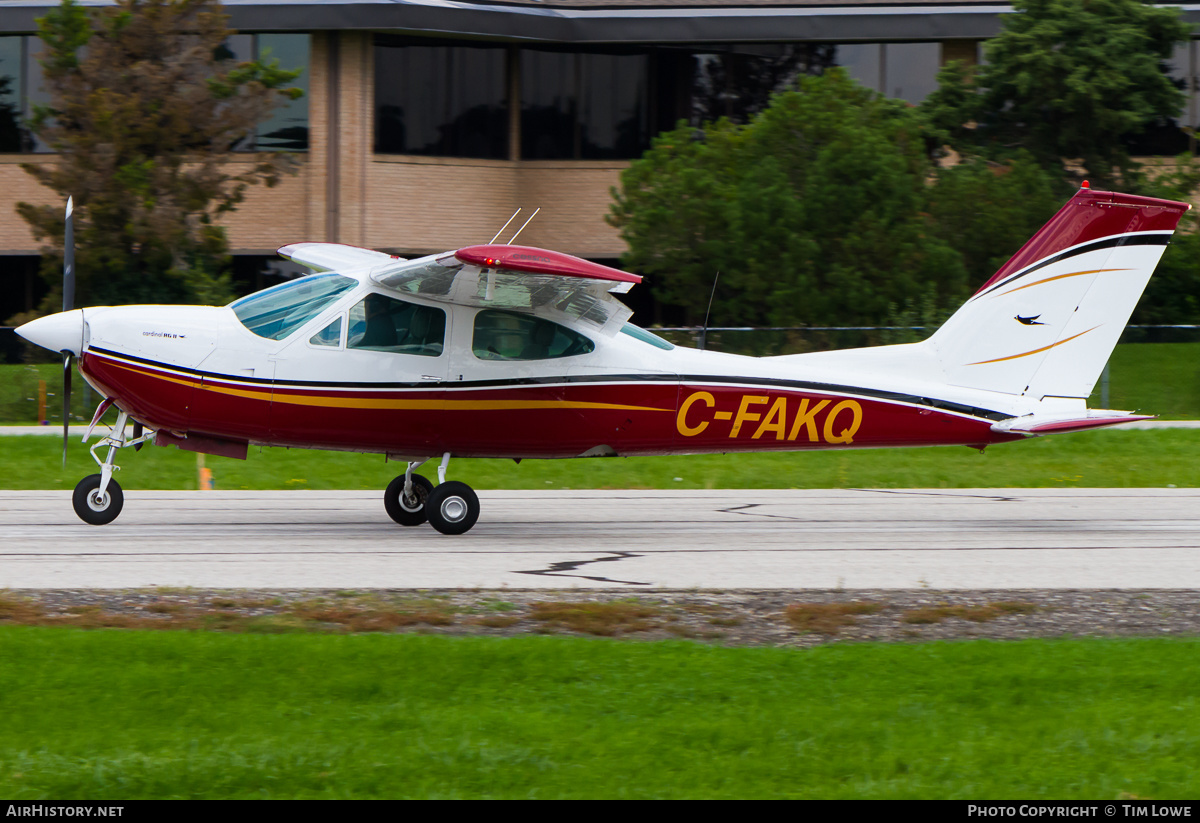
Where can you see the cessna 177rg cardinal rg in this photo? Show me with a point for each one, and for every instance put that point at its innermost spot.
(516, 352)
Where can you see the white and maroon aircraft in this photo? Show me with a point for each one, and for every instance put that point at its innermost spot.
(516, 352)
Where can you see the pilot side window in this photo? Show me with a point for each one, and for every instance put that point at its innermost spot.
(331, 335)
(502, 335)
(382, 323)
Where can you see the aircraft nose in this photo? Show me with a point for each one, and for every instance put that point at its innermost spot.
(57, 332)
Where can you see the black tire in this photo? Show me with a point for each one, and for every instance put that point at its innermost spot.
(410, 513)
(452, 508)
(94, 511)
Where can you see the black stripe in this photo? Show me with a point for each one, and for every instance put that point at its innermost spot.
(1107, 243)
(782, 383)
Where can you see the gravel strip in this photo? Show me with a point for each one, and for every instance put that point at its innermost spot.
(733, 618)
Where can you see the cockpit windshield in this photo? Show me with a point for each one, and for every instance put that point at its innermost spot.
(276, 312)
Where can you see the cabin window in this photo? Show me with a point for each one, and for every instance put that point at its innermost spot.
(382, 323)
(276, 312)
(638, 333)
(331, 335)
(502, 335)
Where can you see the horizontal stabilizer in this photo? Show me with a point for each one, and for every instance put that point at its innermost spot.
(1057, 424)
(334, 256)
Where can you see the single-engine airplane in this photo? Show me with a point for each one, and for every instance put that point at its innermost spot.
(509, 351)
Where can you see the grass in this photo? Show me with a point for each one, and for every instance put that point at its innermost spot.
(126, 715)
(1117, 459)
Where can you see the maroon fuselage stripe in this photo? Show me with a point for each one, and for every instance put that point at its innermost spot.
(542, 420)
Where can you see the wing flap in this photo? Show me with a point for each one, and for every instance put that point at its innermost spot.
(334, 256)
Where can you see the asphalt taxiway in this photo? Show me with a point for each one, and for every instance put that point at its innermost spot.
(752, 539)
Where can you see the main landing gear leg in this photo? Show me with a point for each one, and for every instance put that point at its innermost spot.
(450, 507)
(406, 495)
(98, 498)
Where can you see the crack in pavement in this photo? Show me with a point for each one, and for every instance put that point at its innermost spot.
(555, 569)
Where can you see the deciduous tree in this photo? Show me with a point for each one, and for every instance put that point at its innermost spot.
(813, 213)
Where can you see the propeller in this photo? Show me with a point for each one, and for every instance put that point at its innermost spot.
(68, 304)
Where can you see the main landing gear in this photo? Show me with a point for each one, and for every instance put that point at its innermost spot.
(98, 498)
(450, 507)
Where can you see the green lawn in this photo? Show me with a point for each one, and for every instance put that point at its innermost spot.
(1120, 459)
(128, 714)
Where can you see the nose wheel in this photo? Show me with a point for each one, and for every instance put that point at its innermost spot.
(95, 505)
(450, 507)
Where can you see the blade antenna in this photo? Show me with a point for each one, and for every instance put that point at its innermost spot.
(712, 294)
(527, 222)
(505, 226)
(68, 304)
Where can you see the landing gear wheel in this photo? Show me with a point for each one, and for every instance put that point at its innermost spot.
(407, 512)
(91, 507)
(452, 507)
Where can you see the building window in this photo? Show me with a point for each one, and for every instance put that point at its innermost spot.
(448, 101)
(905, 71)
(287, 127)
(11, 103)
(584, 106)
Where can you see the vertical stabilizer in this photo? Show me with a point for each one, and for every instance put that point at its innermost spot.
(1047, 321)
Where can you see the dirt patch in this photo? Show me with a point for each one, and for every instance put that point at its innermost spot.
(735, 618)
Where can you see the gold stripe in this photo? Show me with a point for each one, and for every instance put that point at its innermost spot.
(1058, 277)
(434, 404)
(1035, 351)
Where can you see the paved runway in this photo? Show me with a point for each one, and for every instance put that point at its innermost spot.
(754, 539)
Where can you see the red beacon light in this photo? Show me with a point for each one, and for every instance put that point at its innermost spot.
(1085, 185)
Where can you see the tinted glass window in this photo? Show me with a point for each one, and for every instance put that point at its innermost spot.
(287, 127)
(331, 335)
(638, 333)
(450, 101)
(278, 311)
(10, 93)
(502, 335)
(584, 106)
(382, 323)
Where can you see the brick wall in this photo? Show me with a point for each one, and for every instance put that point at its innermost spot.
(412, 205)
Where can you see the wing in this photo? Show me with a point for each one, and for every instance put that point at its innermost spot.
(549, 284)
(334, 256)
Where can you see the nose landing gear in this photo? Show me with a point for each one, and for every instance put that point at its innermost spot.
(450, 507)
(98, 498)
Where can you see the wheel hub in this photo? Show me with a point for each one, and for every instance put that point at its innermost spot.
(454, 509)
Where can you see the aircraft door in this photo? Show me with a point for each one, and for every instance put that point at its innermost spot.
(370, 378)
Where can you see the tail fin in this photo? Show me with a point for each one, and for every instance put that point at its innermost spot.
(1045, 324)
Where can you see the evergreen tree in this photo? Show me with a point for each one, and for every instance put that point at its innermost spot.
(146, 110)
(1069, 81)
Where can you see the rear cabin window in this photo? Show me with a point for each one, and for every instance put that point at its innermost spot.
(502, 335)
(381, 323)
(276, 312)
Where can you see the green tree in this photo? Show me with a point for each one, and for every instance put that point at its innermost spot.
(145, 112)
(813, 212)
(1068, 81)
